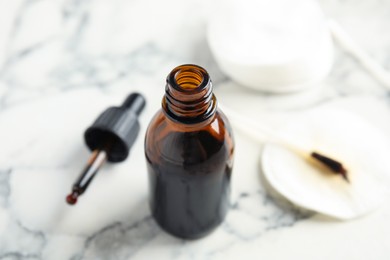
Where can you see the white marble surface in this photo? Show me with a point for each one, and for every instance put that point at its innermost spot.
(61, 62)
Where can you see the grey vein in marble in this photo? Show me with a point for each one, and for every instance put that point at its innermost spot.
(4, 187)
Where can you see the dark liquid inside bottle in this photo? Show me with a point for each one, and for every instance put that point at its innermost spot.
(190, 197)
(189, 152)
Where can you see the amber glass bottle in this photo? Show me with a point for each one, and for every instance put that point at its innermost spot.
(189, 151)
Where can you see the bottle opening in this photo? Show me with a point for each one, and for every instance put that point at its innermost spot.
(189, 78)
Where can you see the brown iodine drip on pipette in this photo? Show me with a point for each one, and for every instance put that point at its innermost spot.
(94, 164)
(333, 165)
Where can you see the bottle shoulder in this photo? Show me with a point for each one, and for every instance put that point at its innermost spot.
(219, 126)
(192, 143)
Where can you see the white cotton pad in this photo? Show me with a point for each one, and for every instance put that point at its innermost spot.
(271, 45)
(362, 148)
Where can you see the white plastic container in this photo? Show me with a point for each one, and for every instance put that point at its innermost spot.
(275, 46)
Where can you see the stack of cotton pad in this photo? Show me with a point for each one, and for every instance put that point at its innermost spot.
(362, 149)
(271, 45)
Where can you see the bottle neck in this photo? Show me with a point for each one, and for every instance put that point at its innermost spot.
(189, 97)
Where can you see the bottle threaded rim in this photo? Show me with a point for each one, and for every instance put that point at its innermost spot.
(189, 95)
